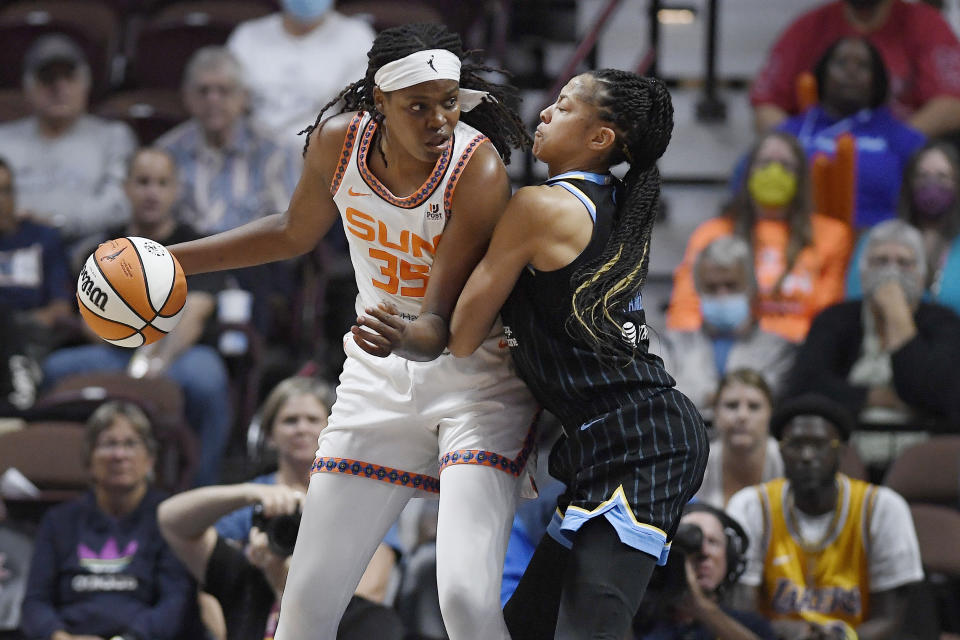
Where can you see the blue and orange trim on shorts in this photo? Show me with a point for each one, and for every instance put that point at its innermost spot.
(420, 481)
(616, 509)
(428, 483)
(513, 466)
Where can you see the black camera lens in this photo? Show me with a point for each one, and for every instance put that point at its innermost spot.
(281, 530)
(688, 539)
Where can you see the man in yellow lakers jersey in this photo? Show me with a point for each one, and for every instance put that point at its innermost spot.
(828, 555)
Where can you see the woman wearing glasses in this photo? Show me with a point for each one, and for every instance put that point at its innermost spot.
(100, 568)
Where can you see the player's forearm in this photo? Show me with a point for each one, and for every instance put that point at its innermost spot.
(425, 338)
(766, 117)
(939, 115)
(267, 239)
(721, 625)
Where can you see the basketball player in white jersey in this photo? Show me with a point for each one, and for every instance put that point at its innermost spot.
(402, 170)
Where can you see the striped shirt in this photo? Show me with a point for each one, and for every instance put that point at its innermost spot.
(223, 188)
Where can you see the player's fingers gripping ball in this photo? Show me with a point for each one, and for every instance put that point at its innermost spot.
(131, 291)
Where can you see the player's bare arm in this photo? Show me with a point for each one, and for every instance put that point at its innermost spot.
(478, 204)
(543, 226)
(281, 235)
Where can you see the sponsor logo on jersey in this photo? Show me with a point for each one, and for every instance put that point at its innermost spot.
(433, 212)
(508, 340)
(634, 335)
(351, 192)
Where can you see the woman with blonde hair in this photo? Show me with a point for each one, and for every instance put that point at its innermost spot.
(743, 453)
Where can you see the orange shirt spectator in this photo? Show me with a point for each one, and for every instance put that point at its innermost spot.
(920, 51)
(800, 257)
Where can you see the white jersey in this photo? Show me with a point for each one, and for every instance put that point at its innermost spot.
(393, 239)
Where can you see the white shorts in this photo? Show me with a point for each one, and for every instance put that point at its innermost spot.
(403, 422)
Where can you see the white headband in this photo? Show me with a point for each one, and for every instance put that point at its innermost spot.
(423, 66)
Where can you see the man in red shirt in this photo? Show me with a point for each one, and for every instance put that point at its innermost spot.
(920, 50)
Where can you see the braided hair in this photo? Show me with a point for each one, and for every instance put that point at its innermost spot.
(494, 119)
(641, 112)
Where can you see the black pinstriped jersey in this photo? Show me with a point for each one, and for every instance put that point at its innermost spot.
(565, 374)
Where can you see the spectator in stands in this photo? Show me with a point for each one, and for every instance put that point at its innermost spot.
(152, 189)
(829, 556)
(229, 174)
(695, 608)
(799, 256)
(100, 567)
(729, 337)
(296, 61)
(35, 297)
(293, 415)
(69, 164)
(16, 548)
(743, 454)
(852, 84)
(920, 50)
(929, 202)
(249, 583)
(890, 349)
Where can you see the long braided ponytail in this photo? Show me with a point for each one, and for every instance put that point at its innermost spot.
(496, 120)
(641, 112)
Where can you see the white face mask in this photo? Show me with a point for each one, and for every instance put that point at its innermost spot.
(909, 282)
(306, 11)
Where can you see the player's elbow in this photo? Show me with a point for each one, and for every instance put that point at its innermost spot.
(460, 347)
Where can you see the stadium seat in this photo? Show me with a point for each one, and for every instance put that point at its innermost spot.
(383, 14)
(77, 396)
(165, 41)
(13, 105)
(851, 464)
(49, 454)
(149, 112)
(928, 472)
(92, 24)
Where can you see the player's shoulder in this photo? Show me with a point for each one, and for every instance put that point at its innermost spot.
(329, 135)
(484, 173)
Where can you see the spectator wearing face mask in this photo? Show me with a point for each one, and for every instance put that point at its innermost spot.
(799, 257)
(296, 61)
(890, 349)
(918, 47)
(730, 336)
(928, 201)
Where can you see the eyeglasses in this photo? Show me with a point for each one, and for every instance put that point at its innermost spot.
(796, 446)
(126, 446)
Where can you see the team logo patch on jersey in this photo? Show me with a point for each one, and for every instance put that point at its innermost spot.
(433, 212)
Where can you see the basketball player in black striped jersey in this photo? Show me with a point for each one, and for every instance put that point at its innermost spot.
(566, 264)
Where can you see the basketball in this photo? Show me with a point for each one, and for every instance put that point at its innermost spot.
(131, 291)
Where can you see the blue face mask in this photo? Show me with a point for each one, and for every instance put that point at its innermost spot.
(726, 313)
(306, 11)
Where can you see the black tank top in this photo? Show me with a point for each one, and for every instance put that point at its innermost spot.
(565, 374)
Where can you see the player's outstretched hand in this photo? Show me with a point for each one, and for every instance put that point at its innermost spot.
(380, 331)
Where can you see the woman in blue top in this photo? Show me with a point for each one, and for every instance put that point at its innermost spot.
(852, 85)
(928, 201)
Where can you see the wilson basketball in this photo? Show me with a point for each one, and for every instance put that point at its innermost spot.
(131, 291)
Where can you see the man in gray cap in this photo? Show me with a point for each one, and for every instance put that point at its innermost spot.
(69, 164)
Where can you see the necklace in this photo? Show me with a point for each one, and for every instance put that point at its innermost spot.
(813, 548)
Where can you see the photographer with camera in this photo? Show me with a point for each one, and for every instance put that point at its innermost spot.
(685, 599)
(237, 539)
